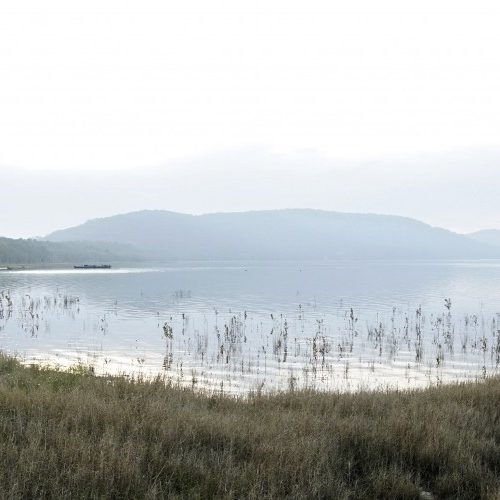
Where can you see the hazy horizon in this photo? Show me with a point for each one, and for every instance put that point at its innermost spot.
(439, 189)
(112, 107)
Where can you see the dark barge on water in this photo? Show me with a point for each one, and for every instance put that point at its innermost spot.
(93, 266)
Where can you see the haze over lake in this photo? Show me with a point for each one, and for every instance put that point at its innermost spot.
(236, 326)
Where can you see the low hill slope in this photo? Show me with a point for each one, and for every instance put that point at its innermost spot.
(489, 236)
(28, 251)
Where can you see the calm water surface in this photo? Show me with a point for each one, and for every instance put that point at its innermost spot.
(235, 327)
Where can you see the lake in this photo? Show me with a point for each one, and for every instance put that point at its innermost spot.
(234, 327)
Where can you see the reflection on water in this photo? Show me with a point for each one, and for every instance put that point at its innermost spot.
(235, 327)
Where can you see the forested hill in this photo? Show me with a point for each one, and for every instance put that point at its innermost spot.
(30, 251)
(279, 234)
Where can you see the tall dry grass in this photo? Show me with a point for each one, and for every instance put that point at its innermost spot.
(80, 436)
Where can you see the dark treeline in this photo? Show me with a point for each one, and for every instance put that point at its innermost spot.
(30, 251)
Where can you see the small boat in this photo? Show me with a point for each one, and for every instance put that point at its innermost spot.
(93, 266)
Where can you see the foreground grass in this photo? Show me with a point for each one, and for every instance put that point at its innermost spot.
(77, 435)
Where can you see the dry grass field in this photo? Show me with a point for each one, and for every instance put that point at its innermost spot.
(76, 435)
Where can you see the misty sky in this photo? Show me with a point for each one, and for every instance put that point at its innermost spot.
(114, 106)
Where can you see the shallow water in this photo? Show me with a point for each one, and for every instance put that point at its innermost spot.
(240, 326)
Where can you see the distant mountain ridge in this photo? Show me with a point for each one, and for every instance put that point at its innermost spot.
(278, 234)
